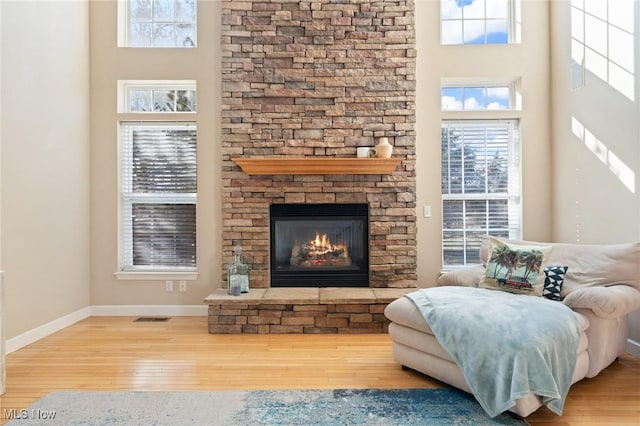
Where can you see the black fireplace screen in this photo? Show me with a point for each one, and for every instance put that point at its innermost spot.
(319, 245)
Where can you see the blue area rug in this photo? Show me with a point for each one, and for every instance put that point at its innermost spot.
(281, 407)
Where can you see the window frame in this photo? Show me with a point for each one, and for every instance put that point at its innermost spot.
(515, 87)
(514, 25)
(512, 86)
(125, 87)
(149, 118)
(512, 196)
(126, 199)
(124, 36)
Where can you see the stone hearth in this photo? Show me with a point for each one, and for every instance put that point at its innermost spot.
(302, 310)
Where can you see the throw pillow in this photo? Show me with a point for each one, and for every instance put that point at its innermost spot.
(553, 279)
(515, 268)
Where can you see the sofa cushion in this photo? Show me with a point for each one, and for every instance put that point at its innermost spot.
(553, 279)
(516, 268)
(469, 276)
(404, 312)
(590, 265)
(605, 302)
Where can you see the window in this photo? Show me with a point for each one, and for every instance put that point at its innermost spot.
(480, 186)
(157, 23)
(479, 21)
(158, 196)
(477, 97)
(158, 179)
(173, 96)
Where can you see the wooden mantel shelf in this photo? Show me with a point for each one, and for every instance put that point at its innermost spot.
(316, 165)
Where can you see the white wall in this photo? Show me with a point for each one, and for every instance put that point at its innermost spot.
(528, 61)
(596, 200)
(108, 65)
(45, 168)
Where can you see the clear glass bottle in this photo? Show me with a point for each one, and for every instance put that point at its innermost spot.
(237, 274)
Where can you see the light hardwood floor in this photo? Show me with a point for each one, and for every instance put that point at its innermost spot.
(115, 353)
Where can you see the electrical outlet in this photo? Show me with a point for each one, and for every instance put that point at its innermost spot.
(183, 286)
(168, 286)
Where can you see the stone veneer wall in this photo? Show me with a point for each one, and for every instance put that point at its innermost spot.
(237, 318)
(319, 78)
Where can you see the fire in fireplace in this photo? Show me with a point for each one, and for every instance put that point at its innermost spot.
(319, 245)
(319, 252)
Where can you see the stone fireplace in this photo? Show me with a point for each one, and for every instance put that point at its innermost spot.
(317, 79)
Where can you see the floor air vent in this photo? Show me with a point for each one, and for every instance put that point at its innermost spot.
(151, 319)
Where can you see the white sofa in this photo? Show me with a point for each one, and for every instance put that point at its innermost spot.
(602, 286)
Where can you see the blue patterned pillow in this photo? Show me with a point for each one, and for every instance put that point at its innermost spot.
(553, 279)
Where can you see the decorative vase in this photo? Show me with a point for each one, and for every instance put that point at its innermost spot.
(383, 148)
(237, 274)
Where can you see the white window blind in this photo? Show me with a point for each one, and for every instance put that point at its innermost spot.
(480, 186)
(158, 206)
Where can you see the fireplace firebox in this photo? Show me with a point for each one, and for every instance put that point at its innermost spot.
(319, 245)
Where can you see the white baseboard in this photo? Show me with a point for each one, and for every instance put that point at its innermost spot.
(149, 310)
(35, 334)
(633, 348)
(51, 327)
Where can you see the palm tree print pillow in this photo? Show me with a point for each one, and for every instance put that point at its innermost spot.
(516, 269)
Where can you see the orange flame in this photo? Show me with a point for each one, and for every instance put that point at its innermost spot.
(322, 242)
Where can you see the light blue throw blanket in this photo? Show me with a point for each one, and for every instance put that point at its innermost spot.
(507, 345)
